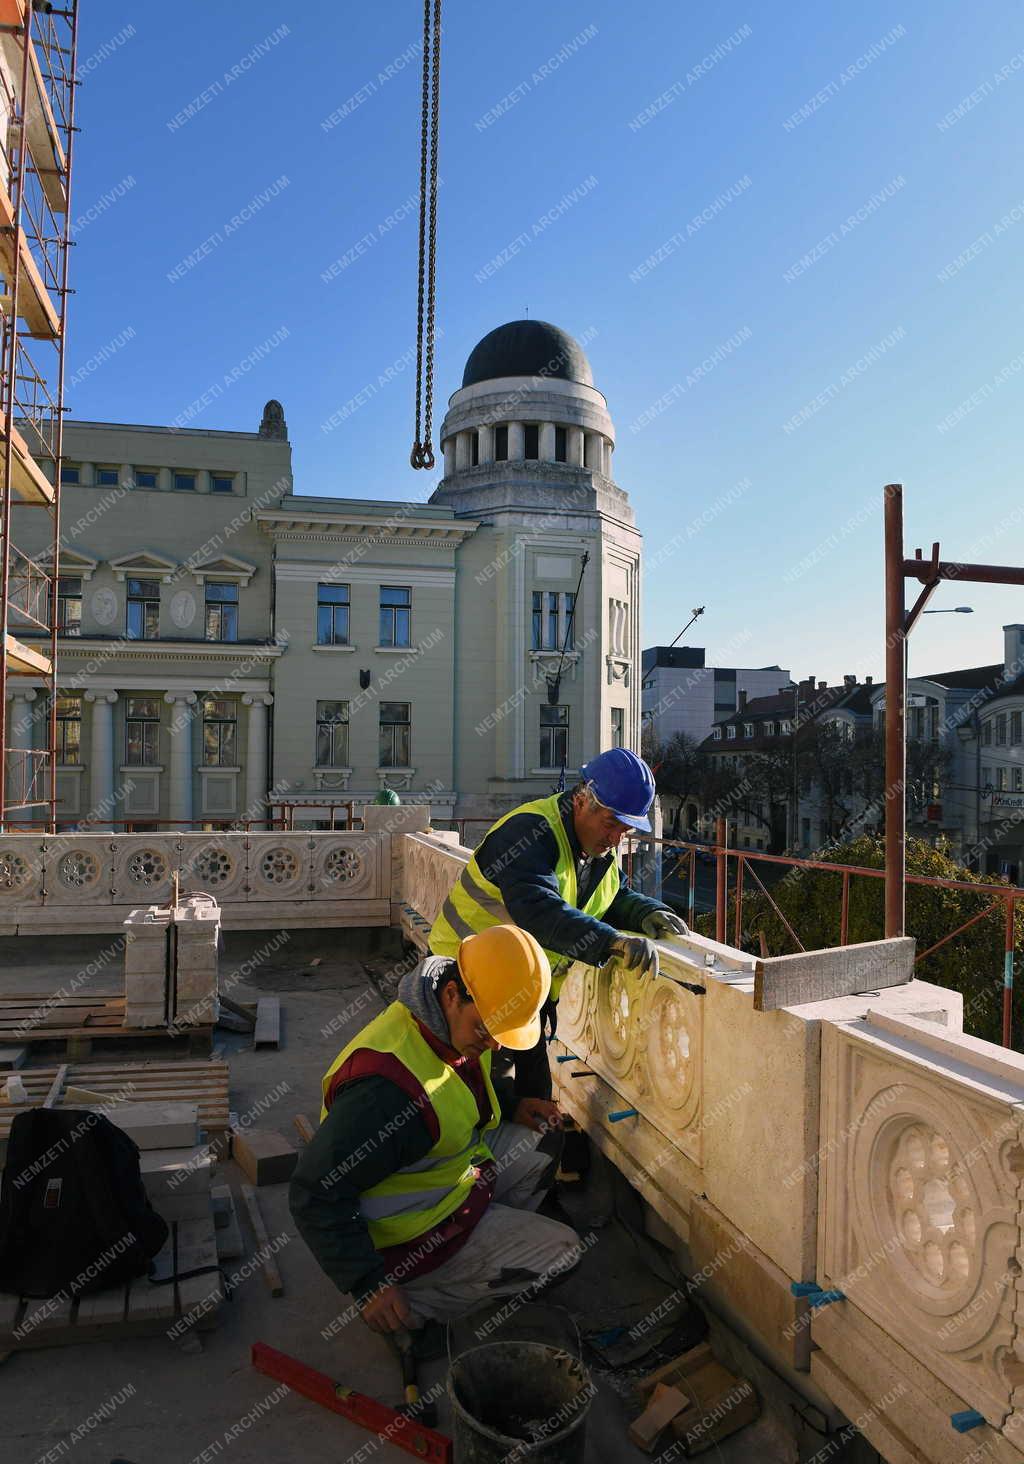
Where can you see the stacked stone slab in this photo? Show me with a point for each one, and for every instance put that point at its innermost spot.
(146, 947)
(196, 926)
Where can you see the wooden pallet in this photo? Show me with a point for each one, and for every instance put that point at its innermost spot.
(136, 1308)
(202, 1083)
(79, 1021)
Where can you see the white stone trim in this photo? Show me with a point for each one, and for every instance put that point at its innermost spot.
(388, 777)
(207, 768)
(139, 768)
(396, 650)
(225, 569)
(315, 571)
(322, 649)
(139, 650)
(143, 564)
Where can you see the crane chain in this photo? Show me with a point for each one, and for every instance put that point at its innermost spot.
(422, 454)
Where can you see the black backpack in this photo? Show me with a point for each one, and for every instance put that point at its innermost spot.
(74, 1215)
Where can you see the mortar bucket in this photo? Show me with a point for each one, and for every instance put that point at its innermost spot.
(517, 1399)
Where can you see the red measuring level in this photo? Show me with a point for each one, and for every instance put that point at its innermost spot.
(390, 1425)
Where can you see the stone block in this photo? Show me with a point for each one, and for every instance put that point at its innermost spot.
(746, 1285)
(157, 1125)
(170, 1172)
(264, 1156)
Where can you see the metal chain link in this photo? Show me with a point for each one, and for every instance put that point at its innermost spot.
(422, 455)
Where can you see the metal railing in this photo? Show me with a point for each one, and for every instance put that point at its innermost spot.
(733, 866)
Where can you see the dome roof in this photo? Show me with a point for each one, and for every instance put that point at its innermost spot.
(527, 348)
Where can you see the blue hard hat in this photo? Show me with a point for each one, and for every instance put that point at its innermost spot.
(624, 783)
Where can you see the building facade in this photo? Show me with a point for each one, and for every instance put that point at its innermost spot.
(679, 693)
(229, 646)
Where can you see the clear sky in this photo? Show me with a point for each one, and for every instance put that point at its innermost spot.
(793, 234)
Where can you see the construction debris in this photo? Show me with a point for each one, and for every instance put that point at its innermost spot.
(266, 1157)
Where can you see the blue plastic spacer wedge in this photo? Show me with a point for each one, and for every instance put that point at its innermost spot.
(622, 1113)
(964, 1422)
(566, 1057)
(814, 1294)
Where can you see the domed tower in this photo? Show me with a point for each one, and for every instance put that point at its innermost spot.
(543, 679)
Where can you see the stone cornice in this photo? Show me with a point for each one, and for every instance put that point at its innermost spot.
(355, 528)
(82, 646)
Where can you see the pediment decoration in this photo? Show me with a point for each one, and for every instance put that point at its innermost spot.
(143, 564)
(225, 568)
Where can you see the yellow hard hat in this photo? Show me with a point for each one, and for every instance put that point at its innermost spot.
(507, 974)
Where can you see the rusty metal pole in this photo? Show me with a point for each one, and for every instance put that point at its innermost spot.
(895, 713)
(721, 877)
(737, 937)
(1008, 973)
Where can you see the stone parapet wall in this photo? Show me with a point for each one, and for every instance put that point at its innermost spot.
(862, 1144)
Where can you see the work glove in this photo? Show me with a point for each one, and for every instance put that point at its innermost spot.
(661, 923)
(636, 953)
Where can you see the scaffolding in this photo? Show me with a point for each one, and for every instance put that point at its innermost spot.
(38, 60)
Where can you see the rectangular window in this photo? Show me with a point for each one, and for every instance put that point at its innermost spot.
(501, 443)
(395, 618)
(1015, 727)
(69, 604)
(787, 727)
(986, 733)
(332, 607)
(1001, 779)
(474, 449)
(145, 477)
(553, 618)
(554, 736)
(143, 622)
(618, 727)
(531, 440)
(1018, 779)
(332, 734)
(185, 482)
(141, 731)
(220, 726)
(107, 477)
(394, 734)
(561, 445)
(221, 612)
(933, 724)
(221, 483)
(748, 729)
(1001, 730)
(769, 729)
(69, 731)
(730, 733)
(70, 473)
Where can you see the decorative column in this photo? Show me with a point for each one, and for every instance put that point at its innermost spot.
(574, 446)
(256, 755)
(485, 434)
(20, 766)
(593, 453)
(516, 441)
(462, 452)
(180, 808)
(546, 449)
(449, 456)
(101, 760)
(607, 470)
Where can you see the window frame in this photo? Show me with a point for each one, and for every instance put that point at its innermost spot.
(147, 600)
(69, 754)
(225, 611)
(154, 473)
(226, 725)
(179, 474)
(112, 479)
(547, 730)
(388, 618)
(63, 597)
(148, 732)
(389, 758)
(330, 725)
(332, 607)
(228, 478)
(618, 721)
(70, 473)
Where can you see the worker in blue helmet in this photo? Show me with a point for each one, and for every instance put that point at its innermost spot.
(549, 866)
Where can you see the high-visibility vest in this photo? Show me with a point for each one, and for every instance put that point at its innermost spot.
(414, 1200)
(474, 903)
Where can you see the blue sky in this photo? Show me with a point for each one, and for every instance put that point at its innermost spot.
(794, 234)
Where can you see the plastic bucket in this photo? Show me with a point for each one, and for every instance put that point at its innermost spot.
(519, 1401)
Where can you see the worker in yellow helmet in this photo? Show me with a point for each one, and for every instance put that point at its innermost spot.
(417, 1193)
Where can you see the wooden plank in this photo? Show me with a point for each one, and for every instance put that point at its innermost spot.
(55, 1087)
(665, 1403)
(304, 1128)
(782, 981)
(229, 1237)
(268, 1022)
(239, 1009)
(679, 1367)
(199, 1297)
(271, 1275)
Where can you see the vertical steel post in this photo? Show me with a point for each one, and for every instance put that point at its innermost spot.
(739, 903)
(721, 877)
(691, 894)
(895, 714)
(844, 916)
(1008, 935)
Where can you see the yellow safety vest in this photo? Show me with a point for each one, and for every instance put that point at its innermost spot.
(475, 903)
(414, 1200)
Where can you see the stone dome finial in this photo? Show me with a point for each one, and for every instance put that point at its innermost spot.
(273, 424)
(528, 348)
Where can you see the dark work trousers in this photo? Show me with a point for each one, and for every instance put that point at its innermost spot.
(532, 1069)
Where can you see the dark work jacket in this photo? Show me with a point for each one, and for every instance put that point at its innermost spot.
(520, 858)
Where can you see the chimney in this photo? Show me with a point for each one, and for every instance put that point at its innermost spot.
(849, 681)
(822, 685)
(742, 699)
(869, 681)
(1013, 657)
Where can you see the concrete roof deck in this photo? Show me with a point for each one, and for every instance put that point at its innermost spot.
(184, 1404)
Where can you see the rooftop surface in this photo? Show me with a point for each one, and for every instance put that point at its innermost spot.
(184, 1404)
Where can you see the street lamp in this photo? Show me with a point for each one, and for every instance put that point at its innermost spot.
(956, 610)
